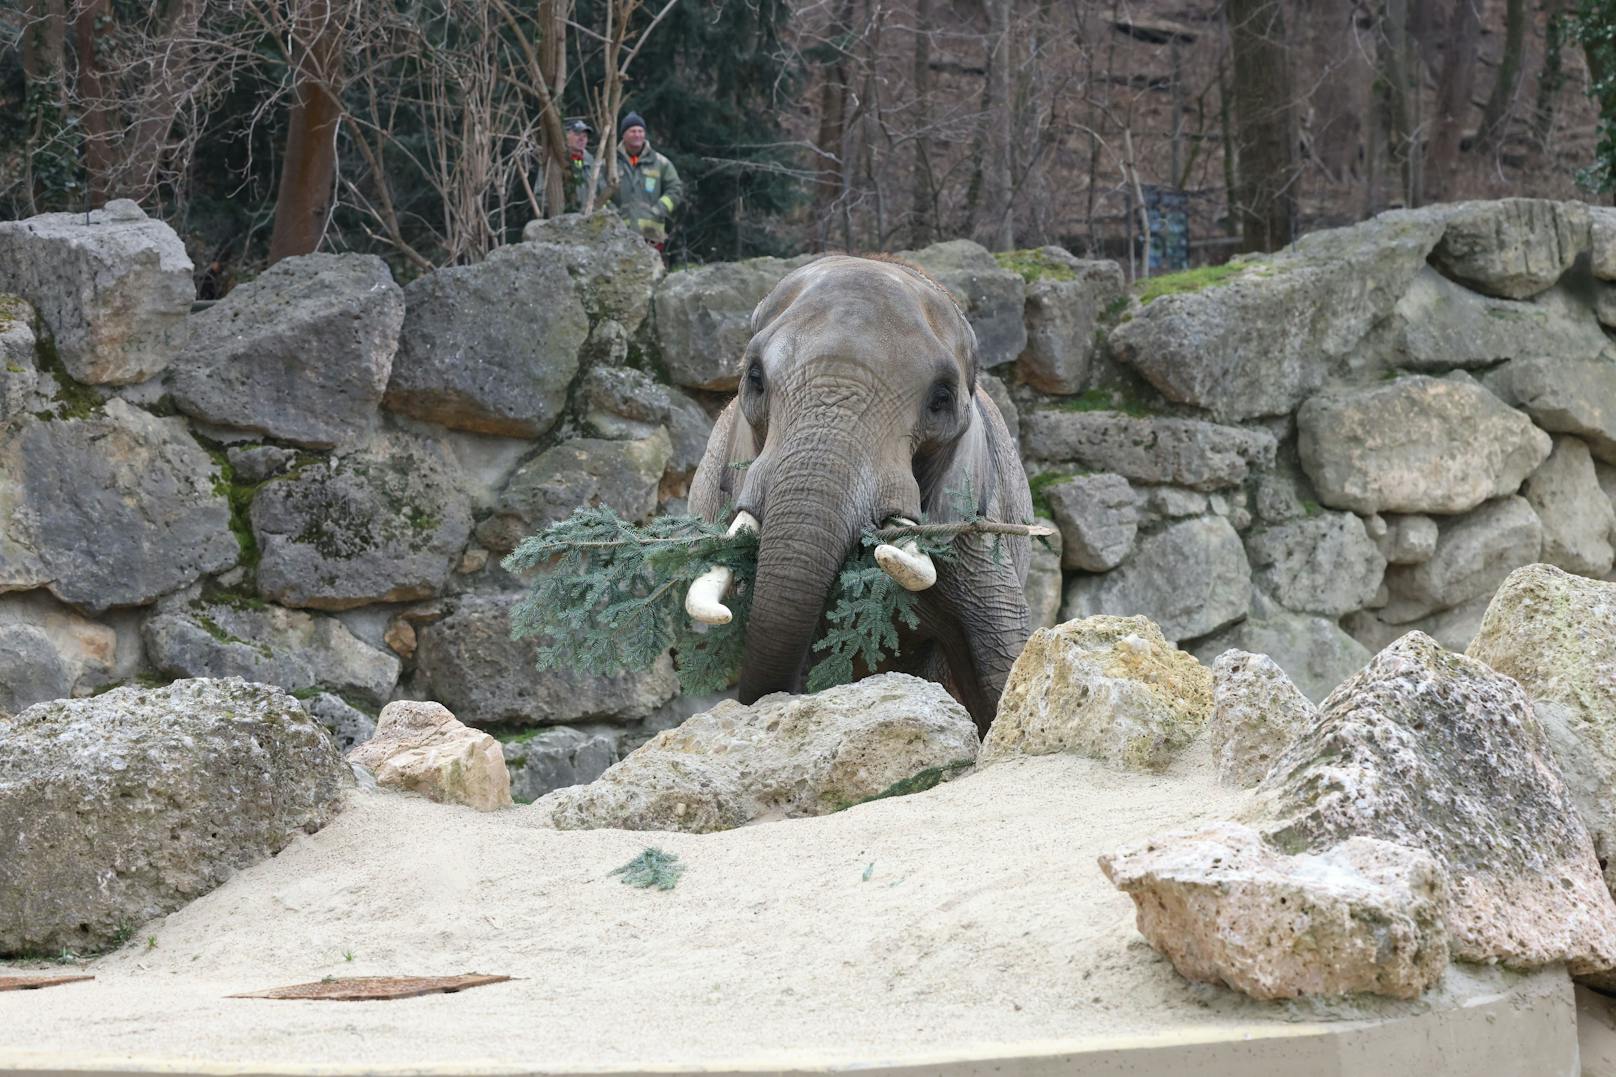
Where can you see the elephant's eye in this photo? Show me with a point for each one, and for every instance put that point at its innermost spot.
(942, 399)
(754, 376)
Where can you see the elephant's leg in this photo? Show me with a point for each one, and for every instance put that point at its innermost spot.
(979, 617)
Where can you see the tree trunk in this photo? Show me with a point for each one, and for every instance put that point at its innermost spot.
(1552, 76)
(45, 98)
(553, 66)
(1502, 97)
(923, 211)
(1341, 78)
(97, 121)
(832, 128)
(998, 222)
(1453, 93)
(309, 166)
(1265, 116)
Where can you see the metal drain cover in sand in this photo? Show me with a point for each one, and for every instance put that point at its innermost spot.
(363, 988)
(34, 983)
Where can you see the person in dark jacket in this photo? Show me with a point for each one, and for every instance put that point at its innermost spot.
(648, 186)
(580, 164)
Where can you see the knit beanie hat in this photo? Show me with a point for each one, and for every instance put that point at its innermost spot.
(633, 119)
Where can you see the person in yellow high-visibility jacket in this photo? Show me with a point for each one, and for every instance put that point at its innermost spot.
(648, 186)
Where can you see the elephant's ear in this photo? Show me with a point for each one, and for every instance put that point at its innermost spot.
(966, 479)
(721, 472)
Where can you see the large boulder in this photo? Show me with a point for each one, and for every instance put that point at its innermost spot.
(301, 352)
(1406, 539)
(622, 475)
(1579, 522)
(624, 404)
(703, 318)
(1097, 520)
(543, 760)
(1313, 651)
(1223, 906)
(347, 724)
(1416, 444)
(191, 636)
(1440, 325)
(1556, 634)
(1256, 713)
(614, 271)
(1325, 563)
(1473, 555)
(991, 296)
(22, 383)
(492, 347)
(784, 756)
(1191, 578)
(1180, 452)
(1106, 687)
(1262, 340)
(121, 808)
(1066, 299)
(1512, 247)
(113, 509)
(1436, 751)
(47, 651)
(386, 522)
(112, 286)
(422, 748)
(469, 662)
(1566, 396)
(1043, 587)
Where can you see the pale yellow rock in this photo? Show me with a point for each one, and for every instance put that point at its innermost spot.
(1108, 687)
(1256, 713)
(1223, 906)
(422, 748)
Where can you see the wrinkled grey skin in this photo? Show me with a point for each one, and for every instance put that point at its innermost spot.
(858, 402)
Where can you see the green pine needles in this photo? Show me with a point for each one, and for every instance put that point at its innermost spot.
(651, 869)
(608, 597)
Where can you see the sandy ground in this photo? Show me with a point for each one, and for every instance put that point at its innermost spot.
(983, 921)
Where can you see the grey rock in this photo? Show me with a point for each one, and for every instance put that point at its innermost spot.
(1256, 713)
(1408, 540)
(548, 759)
(1602, 242)
(1473, 555)
(703, 318)
(1565, 396)
(469, 662)
(348, 725)
(1160, 504)
(629, 404)
(1191, 578)
(614, 271)
(992, 297)
(1180, 452)
(623, 475)
(385, 522)
(255, 463)
(1454, 628)
(1579, 522)
(190, 636)
(114, 509)
(1440, 325)
(300, 352)
(21, 383)
(1436, 751)
(1512, 247)
(1261, 341)
(1416, 444)
(1605, 303)
(999, 393)
(1319, 564)
(120, 809)
(113, 288)
(490, 347)
(1362, 917)
(1097, 520)
(31, 669)
(1063, 312)
(1313, 651)
(1043, 587)
(784, 756)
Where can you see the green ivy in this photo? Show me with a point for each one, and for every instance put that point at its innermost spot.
(1593, 25)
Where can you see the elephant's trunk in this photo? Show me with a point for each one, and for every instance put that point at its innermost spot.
(813, 517)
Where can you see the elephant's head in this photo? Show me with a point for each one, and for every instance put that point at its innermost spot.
(857, 403)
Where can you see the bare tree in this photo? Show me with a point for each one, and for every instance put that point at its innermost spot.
(1455, 86)
(309, 165)
(1264, 106)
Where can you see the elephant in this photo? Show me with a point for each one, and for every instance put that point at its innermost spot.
(859, 403)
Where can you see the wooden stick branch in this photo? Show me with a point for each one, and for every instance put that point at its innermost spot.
(981, 527)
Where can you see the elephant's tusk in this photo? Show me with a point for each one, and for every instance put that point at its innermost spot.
(705, 599)
(905, 563)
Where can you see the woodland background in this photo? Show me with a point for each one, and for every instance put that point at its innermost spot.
(421, 129)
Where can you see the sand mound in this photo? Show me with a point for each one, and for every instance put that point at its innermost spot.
(963, 918)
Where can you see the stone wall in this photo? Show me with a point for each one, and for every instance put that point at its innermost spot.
(312, 482)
